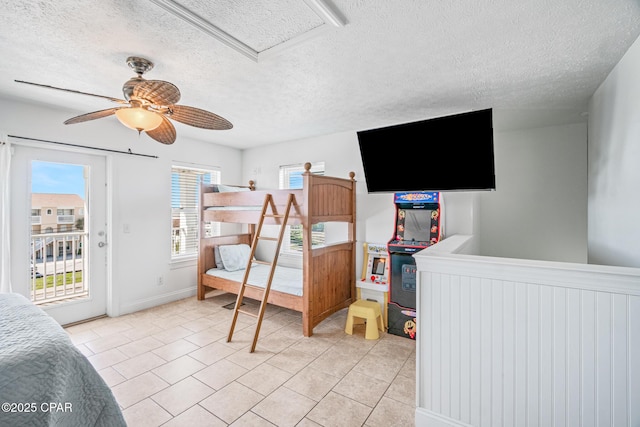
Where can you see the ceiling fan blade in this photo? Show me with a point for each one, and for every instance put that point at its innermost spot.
(92, 116)
(199, 118)
(117, 100)
(157, 92)
(165, 133)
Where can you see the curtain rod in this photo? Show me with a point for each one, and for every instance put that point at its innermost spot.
(83, 146)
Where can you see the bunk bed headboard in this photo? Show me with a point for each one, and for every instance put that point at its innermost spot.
(327, 198)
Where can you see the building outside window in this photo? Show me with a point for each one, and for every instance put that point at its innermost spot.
(68, 208)
(69, 217)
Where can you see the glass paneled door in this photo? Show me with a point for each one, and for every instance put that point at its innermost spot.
(59, 252)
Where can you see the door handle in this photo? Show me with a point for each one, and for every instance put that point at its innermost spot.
(101, 244)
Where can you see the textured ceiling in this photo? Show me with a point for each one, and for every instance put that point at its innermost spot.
(260, 24)
(393, 61)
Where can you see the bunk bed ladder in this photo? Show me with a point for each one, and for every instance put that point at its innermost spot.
(282, 218)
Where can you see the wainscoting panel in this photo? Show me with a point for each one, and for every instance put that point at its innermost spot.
(498, 346)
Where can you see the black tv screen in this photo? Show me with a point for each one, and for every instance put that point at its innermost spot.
(451, 153)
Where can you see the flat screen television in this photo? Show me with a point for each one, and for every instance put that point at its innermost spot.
(451, 153)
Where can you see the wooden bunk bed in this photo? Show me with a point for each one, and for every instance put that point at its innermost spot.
(328, 271)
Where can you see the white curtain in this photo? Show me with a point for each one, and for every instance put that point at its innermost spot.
(5, 258)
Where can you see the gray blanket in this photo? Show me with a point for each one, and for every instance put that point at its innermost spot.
(44, 379)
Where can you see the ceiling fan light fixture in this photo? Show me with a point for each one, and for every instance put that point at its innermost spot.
(139, 118)
(148, 105)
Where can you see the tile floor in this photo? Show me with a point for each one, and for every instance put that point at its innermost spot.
(171, 366)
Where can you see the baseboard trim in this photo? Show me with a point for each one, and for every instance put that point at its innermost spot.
(157, 300)
(426, 418)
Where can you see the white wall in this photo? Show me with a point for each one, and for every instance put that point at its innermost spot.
(141, 198)
(140, 190)
(614, 172)
(341, 154)
(539, 208)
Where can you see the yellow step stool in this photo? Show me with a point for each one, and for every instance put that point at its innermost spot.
(370, 312)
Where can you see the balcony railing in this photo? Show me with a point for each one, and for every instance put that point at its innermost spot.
(66, 219)
(58, 266)
(178, 241)
(36, 219)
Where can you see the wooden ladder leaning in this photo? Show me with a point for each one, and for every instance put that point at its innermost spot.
(284, 217)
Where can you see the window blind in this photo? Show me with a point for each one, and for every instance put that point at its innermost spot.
(185, 208)
(291, 178)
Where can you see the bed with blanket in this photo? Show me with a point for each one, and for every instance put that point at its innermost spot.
(326, 282)
(44, 379)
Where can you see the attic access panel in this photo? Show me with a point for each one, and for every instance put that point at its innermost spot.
(260, 28)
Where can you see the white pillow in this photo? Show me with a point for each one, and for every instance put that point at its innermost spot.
(230, 189)
(218, 258)
(235, 257)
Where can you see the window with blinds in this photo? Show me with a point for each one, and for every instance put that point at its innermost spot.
(185, 209)
(291, 177)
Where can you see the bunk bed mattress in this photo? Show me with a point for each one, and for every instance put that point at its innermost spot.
(233, 208)
(285, 279)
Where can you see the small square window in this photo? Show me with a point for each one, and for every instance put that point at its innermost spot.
(291, 177)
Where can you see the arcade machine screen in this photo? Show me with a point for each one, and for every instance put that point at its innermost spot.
(417, 227)
(378, 266)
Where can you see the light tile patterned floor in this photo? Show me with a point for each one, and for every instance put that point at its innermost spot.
(171, 366)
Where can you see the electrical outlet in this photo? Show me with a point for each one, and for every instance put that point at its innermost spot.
(160, 281)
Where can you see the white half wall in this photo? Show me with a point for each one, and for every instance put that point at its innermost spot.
(508, 342)
(614, 175)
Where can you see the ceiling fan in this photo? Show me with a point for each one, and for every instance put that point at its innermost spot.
(148, 106)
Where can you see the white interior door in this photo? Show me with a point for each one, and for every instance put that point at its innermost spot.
(55, 243)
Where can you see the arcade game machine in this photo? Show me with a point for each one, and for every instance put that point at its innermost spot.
(417, 227)
(374, 284)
